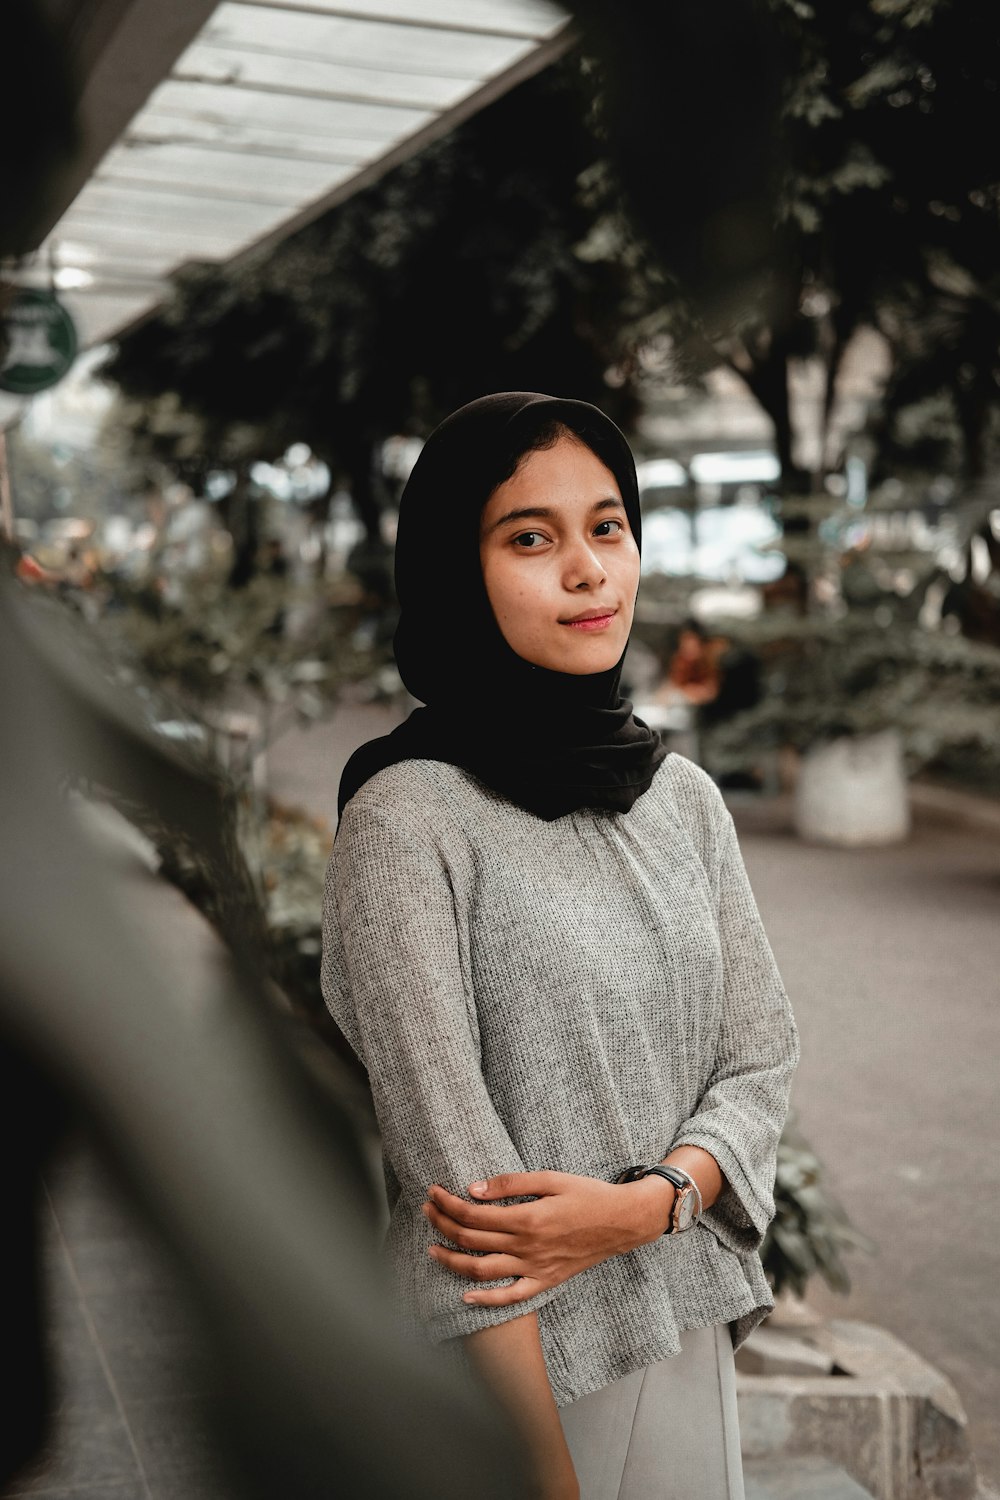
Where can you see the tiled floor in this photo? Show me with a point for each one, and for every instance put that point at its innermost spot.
(130, 1374)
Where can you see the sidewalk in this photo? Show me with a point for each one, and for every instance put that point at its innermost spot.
(891, 958)
(131, 1374)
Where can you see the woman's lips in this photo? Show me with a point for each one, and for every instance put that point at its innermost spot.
(599, 621)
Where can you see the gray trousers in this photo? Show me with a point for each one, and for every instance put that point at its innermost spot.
(667, 1432)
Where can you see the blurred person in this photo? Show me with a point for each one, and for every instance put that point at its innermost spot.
(713, 673)
(274, 564)
(789, 592)
(540, 941)
(29, 570)
(693, 673)
(859, 588)
(275, 558)
(17, 559)
(79, 568)
(716, 678)
(974, 601)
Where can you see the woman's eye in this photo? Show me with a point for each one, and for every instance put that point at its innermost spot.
(610, 522)
(528, 539)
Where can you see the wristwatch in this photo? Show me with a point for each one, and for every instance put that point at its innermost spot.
(686, 1206)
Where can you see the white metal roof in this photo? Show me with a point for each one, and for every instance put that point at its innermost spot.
(277, 110)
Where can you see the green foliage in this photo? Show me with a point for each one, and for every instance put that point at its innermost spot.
(293, 849)
(884, 163)
(837, 165)
(218, 645)
(180, 665)
(52, 481)
(455, 274)
(226, 890)
(941, 406)
(899, 185)
(859, 675)
(810, 1232)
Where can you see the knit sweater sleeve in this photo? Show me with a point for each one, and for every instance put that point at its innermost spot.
(742, 1109)
(393, 977)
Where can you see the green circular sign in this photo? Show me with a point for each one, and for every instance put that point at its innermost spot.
(38, 341)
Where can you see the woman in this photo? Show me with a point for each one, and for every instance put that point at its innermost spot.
(540, 940)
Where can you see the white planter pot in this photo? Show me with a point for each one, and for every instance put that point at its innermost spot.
(854, 791)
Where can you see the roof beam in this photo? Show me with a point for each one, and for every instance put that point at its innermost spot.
(533, 62)
(460, 20)
(207, 138)
(120, 50)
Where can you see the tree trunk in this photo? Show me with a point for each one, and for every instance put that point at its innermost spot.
(766, 377)
(365, 484)
(318, 511)
(243, 521)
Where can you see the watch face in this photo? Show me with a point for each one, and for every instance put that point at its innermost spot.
(684, 1210)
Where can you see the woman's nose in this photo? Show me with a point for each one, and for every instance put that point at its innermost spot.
(584, 568)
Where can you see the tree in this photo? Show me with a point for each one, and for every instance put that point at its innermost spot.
(803, 169)
(455, 274)
(752, 181)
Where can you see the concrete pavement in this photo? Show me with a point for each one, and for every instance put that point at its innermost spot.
(892, 960)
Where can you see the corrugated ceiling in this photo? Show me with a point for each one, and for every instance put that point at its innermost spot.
(275, 112)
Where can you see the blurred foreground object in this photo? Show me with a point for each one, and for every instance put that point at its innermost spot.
(37, 113)
(251, 1172)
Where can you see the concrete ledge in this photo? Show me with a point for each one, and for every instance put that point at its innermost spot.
(969, 808)
(885, 1416)
(799, 1479)
(774, 812)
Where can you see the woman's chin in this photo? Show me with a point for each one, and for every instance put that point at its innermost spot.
(586, 659)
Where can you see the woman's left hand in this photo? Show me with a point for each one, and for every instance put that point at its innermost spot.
(574, 1223)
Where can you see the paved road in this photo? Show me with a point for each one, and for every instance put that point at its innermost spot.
(892, 960)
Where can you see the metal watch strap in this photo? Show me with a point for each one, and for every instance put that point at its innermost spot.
(679, 1181)
(686, 1180)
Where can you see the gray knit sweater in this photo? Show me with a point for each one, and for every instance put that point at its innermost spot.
(577, 995)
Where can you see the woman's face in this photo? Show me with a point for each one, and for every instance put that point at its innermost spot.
(560, 563)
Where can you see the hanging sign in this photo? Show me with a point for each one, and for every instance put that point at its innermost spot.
(38, 341)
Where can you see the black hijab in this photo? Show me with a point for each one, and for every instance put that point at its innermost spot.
(550, 741)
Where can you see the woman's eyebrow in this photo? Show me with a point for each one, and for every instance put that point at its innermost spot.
(545, 513)
(530, 513)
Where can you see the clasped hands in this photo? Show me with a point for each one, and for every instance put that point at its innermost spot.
(573, 1223)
